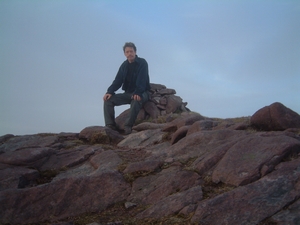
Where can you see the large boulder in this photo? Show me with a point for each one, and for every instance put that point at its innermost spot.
(275, 117)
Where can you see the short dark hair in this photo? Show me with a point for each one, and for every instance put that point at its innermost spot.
(129, 44)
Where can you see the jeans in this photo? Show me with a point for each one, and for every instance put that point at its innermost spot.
(122, 99)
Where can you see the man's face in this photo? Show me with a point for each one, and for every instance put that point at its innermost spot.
(130, 54)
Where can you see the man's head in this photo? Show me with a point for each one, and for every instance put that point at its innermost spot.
(129, 44)
(129, 51)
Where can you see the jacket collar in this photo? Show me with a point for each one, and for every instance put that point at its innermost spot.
(137, 59)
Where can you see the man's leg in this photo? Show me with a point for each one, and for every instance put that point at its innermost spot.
(135, 107)
(108, 107)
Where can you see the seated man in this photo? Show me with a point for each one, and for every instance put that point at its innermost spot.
(133, 76)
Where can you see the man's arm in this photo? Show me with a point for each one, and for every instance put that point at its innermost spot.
(117, 83)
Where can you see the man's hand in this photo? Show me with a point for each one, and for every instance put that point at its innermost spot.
(136, 98)
(106, 97)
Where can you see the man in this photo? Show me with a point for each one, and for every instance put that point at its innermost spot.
(133, 76)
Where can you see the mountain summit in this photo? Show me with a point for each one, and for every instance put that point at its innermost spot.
(177, 167)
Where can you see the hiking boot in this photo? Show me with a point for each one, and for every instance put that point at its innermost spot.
(127, 130)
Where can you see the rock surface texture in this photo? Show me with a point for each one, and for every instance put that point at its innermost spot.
(188, 169)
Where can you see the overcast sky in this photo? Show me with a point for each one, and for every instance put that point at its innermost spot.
(225, 58)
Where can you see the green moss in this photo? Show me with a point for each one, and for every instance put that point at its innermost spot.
(99, 137)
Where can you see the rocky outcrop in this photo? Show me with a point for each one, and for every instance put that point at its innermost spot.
(275, 117)
(162, 102)
(188, 169)
(165, 101)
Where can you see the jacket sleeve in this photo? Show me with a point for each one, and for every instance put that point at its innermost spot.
(142, 78)
(117, 83)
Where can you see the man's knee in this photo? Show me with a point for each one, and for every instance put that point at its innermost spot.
(108, 102)
(136, 103)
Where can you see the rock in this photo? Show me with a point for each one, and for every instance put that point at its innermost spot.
(62, 198)
(173, 203)
(147, 126)
(122, 118)
(201, 144)
(209, 157)
(152, 109)
(293, 130)
(174, 104)
(85, 169)
(240, 126)
(143, 167)
(275, 117)
(156, 87)
(254, 202)
(187, 210)
(167, 91)
(31, 157)
(154, 188)
(142, 139)
(200, 125)
(162, 101)
(179, 134)
(253, 156)
(28, 141)
(186, 169)
(107, 160)
(129, 205)
(290, 215)
(99, 134)
(187, 118)
(224, 124)
(17, 177)
(68, 191)
(5, 138)
(67, 158)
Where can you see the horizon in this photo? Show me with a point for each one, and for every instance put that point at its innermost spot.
(225, 59)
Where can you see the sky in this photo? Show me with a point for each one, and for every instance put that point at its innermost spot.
(226, 59)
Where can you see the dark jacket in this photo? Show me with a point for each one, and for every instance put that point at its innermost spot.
(141, 75)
